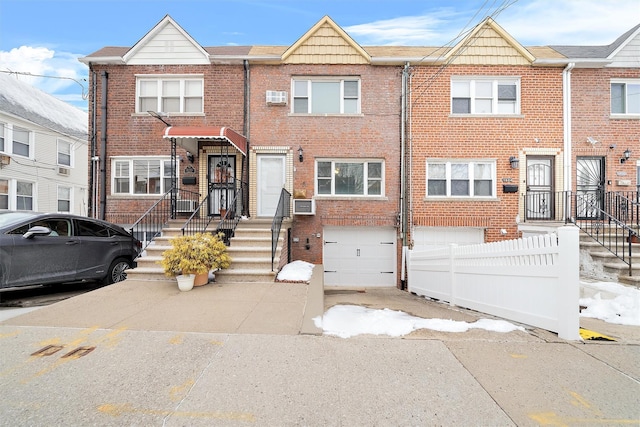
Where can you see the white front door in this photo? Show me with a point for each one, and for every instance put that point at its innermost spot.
(271, 180)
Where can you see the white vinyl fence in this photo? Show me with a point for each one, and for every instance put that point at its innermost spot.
(534, 280)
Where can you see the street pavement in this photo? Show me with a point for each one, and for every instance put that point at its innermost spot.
(143, 353)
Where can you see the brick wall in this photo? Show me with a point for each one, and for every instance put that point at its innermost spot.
(591, 95)
(437, 135)
(373, 135)
(130, 134)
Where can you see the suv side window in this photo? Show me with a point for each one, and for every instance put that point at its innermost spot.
(86, 228)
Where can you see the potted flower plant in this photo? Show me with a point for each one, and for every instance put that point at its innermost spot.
(195, 254)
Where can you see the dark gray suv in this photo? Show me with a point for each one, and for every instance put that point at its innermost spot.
(39, 249)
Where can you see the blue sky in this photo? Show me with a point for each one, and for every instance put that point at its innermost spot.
(47, 37)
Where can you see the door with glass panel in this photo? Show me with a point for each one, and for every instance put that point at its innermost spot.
(539, 200)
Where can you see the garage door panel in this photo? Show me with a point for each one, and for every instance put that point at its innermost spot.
(360, 256)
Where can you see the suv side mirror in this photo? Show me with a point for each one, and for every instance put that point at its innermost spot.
(37, 230)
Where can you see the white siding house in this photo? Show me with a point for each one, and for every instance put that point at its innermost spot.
(43, 151)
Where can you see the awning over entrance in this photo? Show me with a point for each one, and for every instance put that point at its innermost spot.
(188, 136)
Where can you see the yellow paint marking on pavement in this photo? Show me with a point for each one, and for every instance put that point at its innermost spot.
(178, 392)
(113, 338)
(10, 334)
(118, 410)
(553, 419)
(214, 342)
(586, 334)
(82, 336)
(580, 401)
(519, 356)
(177, 339)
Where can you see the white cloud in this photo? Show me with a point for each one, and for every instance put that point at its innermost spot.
(570, 22)
(531, 22)
(42, 61)
(423, 30)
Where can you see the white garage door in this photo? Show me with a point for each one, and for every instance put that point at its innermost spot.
(359, 256)
(435, 237)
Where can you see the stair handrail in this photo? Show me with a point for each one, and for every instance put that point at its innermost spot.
(282, 211)
(625, 206)
(229, 221)
(620, 233)
(199, 221)
(150, 224)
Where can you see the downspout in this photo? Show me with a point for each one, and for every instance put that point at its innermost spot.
(103, 147)
(245, 164)
(93, 200)
(566, 102)
(403, 178)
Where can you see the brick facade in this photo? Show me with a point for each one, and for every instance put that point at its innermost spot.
(375, 134)
(436, 134)
(131, 134)
(590, 103)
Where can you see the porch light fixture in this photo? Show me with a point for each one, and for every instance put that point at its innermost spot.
(190, 157)
(515, 162)
(591, 140)
(300, 154)
(627, 154)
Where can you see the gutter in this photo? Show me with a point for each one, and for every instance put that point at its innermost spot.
(103, 147)
(566, 112)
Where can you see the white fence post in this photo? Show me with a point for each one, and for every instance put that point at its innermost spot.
(568, 284)
(452, 274)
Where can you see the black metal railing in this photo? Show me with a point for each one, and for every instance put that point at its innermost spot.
(201, 220)
(151, 223)
(610, 218)
(624, 206)
(611, 233)
(282, 211)
(229, 221)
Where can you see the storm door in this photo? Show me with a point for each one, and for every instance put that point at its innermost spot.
(589, 187)
(222, 178)
(539, 200)
(271, 180)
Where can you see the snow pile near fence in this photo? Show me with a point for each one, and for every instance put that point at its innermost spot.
(611, 302)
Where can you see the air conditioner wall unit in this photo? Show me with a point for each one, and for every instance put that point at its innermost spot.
(275, 97)
(304, 206)
(64, 171)
(185, 205)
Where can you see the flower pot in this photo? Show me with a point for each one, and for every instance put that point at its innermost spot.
(201, 279)
(185, 281)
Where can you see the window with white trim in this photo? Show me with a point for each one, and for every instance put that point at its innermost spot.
(2, 130)
(64, 153)
(24, 196)
(350, 178)
(485, 95)
(170, 94)
(64, 199)
(625, 97)
(21, 142)
(461, 178)
(4, 193)
(326, 95)
(141, 175)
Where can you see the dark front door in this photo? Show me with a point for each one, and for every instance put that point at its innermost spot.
(222, 178)
(539, 199)
(589, 187)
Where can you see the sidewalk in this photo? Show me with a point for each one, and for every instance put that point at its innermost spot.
(144, 353)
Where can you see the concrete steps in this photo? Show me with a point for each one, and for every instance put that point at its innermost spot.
(250, 251)
(606, 265)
